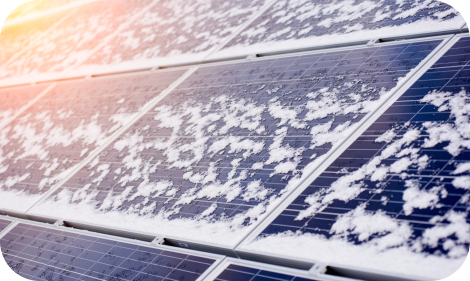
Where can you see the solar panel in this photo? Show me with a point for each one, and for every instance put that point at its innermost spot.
(4, 224)
(189, 31)
(306, 24)
(44, 253)
(234, 272)
(397, 199)
(230, 142)
(69, 41)
(66, 125)
(13, 99)
(14, 40)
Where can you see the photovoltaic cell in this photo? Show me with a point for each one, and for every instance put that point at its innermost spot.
(4, 224)
(49, 139)
(40, 253)
(243, 273)
(230, 142)
(174, 31)
(306, 23)
(13, 99)
(69, 40)
(402, 186)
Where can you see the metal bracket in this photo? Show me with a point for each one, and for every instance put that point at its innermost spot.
(252, 57)
(158, 241)
(373, 42)
(155, 68)
(317, 268)
(59, 223)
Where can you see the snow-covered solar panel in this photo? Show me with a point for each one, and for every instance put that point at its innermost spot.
(230, 142)
(70, 40)
(43, 253)
(298, 24)
(44, 143)
(235, 272)
(4, 224)
(13, 99)
(172, 32)
(398, 198)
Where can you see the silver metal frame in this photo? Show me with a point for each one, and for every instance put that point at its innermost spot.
(218, 258)
(238, 251)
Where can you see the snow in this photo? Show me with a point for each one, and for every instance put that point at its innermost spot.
(385, 241)
(334, 22)
(191, 156)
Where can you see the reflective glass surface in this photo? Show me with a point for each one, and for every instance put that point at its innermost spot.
(4, 224)
(174, 31)
(39, 253)
(243, 273)
(49, 139)
(13, 99)
(231, 141)
(306, 23)
(404, 183)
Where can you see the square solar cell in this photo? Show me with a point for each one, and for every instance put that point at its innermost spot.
(50, 138)
(252, 272)
(69, 41)
(13, 99)
(172, 32)
(306, 23)
(43, 253)
(398, 198)
(228, 144)
(4, 224)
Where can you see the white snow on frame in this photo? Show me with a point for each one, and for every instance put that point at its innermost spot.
(393, 248)
(310, 24)
(199, 126)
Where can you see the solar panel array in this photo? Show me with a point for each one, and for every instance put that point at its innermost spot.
(409, 170)
(50, 139)
(230, 141)
(42, 253)
(224, 156)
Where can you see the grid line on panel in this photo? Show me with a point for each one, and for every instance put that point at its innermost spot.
(44, 33)
(438, 172)
(239, 29)
(108, 38)
(114, 136)
(124, 260)
(234, 272)
(403, 57)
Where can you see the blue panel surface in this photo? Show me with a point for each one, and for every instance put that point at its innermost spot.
(49, 139)
(409, 170)
(323, 22)
(244, 273)
(231, 140)
(39, 253)
(4, 224)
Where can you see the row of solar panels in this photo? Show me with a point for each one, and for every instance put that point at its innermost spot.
(258, 148)
(39, 252)
(97, 37)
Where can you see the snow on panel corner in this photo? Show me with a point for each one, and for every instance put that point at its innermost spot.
(46, 142)
(398, 199)
(173, 32)
(306, 24)
(224, 148)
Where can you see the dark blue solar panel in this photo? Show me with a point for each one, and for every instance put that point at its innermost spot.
(232, 137)
(244, 273)
(39, 253)
(329, 22)
(411, 166)
(4, 224)
(57, 132)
